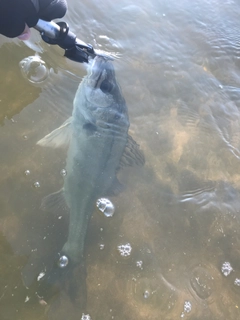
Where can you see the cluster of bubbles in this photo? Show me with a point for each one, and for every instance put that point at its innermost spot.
(146, 294)
(139, 264)
(125, 249)
(86, 317)
(237, 282)
(104, 205)
(187, 307)
(226, 269)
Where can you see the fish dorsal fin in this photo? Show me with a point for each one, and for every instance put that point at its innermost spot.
(132, 155)
(59, 137)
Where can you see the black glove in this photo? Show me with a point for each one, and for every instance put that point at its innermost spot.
(14, 14)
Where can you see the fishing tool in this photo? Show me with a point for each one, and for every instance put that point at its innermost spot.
(59, 34)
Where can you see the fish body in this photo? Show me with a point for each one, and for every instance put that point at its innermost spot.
(99, 136)
(99, 144)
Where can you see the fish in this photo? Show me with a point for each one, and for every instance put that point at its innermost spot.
(99, 145)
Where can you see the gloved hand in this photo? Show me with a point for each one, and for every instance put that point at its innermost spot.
(17, 15)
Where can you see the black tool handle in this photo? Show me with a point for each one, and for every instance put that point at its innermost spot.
(58, 33)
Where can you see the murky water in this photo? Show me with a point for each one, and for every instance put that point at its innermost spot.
(171, 249)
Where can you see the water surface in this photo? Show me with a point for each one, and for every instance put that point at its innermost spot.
(179, 71)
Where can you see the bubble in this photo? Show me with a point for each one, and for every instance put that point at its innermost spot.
(101, 246)
(63, 261)
(25, 137)
(27, 172)
(125, 249)
(86, 317)
(63, 172)
(187, 306)
(104, 205)
(146, 294)
(40, 276)
(139, 264)
(226, 269)
(36, 184)
(34, 69)
(237, 282)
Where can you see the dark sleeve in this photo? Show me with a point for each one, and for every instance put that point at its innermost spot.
(15, 13)
(13, 16)
(52, 9)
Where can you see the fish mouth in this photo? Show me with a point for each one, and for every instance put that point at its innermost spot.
(101, 74)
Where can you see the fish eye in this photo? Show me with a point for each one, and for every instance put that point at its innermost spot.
(106, 86)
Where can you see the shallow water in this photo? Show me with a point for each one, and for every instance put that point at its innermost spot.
(179, 71)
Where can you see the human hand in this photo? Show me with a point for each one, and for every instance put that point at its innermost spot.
(17, 16)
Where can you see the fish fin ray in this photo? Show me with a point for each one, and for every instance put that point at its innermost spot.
(59, 137)
(54, 202)
(115, 188)
(132, 155)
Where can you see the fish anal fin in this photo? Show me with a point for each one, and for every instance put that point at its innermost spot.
(132, 155)
(59, 137)
(54, 202)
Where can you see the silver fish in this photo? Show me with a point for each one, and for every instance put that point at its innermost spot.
(99, 145)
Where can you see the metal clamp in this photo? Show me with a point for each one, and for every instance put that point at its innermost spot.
(59, 34)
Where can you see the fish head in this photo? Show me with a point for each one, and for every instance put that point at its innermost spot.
(103, 100)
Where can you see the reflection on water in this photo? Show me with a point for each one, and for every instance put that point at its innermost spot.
(180, 74)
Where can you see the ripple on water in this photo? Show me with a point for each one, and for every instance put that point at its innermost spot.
(204, 281)
(153, 293)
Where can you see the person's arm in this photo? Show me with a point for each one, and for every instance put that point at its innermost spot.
(17, 16)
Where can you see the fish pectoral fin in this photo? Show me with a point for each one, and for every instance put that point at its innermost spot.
(132, 155)
(54, 202)
(59, 137)
(115, 188)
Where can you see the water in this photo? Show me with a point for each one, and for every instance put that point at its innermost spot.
(180, 74)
